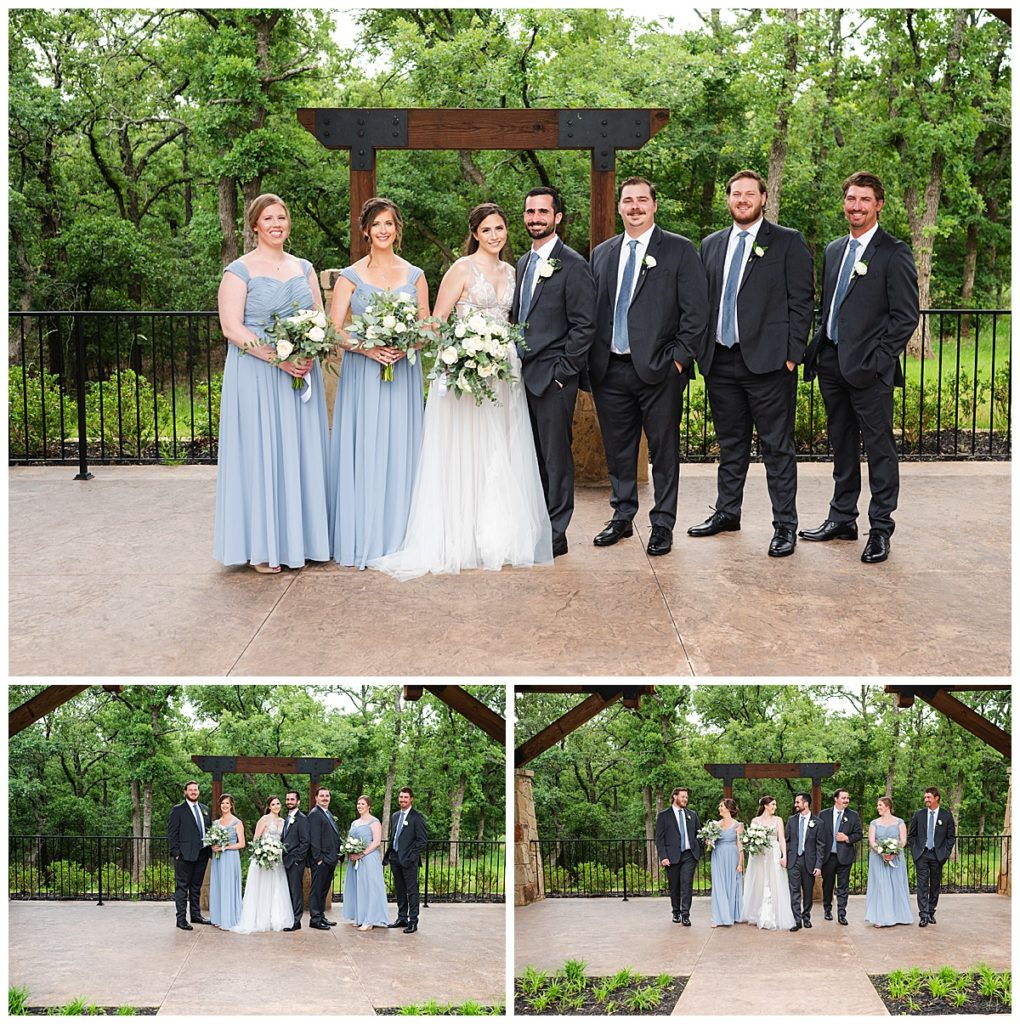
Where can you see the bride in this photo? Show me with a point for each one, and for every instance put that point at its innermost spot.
(266, 906)
(766, 888)
(478, 500)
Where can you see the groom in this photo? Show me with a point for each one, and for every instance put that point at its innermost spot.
(931, 837)
(679, 849)
(295, 857)
(803, 859)
(188, 823)
(554, 302)
(324, 842)
(839, 828)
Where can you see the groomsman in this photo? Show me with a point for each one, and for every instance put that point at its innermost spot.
(295, 858)
(869, 311)
(651, 319)
(761, 300)
(679, 849)
(553, 301)
(410, 837)
(803, 860)
(839, 829)
(324, 846)
(188, 823)
(931, 837)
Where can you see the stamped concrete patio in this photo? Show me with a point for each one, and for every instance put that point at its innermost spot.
(116, 577)
(741, 970)
(130, 954)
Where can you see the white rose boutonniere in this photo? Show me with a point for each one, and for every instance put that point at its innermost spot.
(810, 824)
(757, 252)
(860, 268)
(546, 268)
(648, 262)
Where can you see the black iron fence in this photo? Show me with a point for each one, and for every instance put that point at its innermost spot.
(105, 868)
(630, 867)
(144, 387)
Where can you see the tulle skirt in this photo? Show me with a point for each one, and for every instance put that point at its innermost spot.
(266, 906)
(767, 891)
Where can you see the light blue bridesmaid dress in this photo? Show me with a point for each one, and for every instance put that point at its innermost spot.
(271, 499)
(374, 446)
(364, 887)
(888, 898)
(225, 885)
(727, 885)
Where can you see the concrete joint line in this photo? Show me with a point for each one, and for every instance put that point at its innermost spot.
(261, 626)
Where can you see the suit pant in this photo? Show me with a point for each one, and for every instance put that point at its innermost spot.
(855, 414)
(625, 405)
(929, 881)
(405, 886)
(552, 423)
(681, 882)
(835, 875)
(296, 884)
(802, 886)
(322, 882)
(188, 877)
(742, 402)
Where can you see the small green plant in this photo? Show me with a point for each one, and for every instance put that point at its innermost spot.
(958, 998)
(470, 1009)
(664, 980)
(644, 999)
(913, 1006)
(623, 977)
(575, 1002)
(573, 970)
(602, 991)
(540, 1003)
(126, 1011)
(79, 1007)
(939, 987)
(898, 985)
(554, 991)
(17, 1001)
(531, 981)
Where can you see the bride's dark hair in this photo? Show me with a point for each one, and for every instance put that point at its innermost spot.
(766, 799)
(475, 218)
(269, 800)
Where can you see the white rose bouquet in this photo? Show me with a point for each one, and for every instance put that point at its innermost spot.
(472, 353)
(216, 835)
(709, 834)
(267, 850)
(306, 334)
(889, 848)
(390, 320)
(757, 839)
(352, 844)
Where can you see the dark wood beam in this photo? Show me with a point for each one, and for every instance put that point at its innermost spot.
(1004, 14)
(566, 724)
(941, 698)
(43, 703)
(477, 713)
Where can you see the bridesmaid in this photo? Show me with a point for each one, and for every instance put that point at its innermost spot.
(271, 504)
(888, 896)
(376, 424)
(364, 886)
(225, 869)
(727, 868)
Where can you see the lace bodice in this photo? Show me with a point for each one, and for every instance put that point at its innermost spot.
(482, 297)
(772, 827)
(274, 830)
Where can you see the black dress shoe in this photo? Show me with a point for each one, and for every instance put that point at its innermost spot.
(796, 927)
(806, 922)
(842, 919)
(200, 920)
(676, 919)
(332, 924)
(831, 531)
(184, 926)
(411, 928)
(877, 548)
(685, 920)
(931, 919)
(559, 547)
(321, 925)
(784, 540)
(717, 522)
(616, 529)
(923, 923)
(294, 927)
(399, 923)
(828, 915)
(660, 541)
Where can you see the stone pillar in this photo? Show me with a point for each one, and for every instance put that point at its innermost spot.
(1005, 857)
(528, 882)
(330, 378)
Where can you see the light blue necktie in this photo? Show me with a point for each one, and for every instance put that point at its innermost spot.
(681, 821)
(526, 284)
(841, 287)
(198, 821)
(835, 828)
(930, 844)
(729, 309)
(803, 821)
(621, 335)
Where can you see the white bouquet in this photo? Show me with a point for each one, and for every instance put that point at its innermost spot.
(709, 834)
(306, 334)
(889, 849)
(353, 844)
(757, 839)
(473, 352)
(216, 835)
(390, 320)
(267, 850)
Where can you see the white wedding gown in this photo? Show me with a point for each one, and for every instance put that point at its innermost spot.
(478, 500)
(266, 906)
(766, 887)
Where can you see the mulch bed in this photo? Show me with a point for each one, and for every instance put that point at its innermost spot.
(616, 1005)
(99, 1011)
(452, 1011)
(926, 1005)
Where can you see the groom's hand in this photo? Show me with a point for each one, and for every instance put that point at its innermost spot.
(665, 862)
(679, 368)
(841, 837)
(817, 872)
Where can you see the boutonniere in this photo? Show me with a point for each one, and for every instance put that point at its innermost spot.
(860, 269)
(757, 251)
(938, 821)
(546, 268)
(648, 262)
(810, 824)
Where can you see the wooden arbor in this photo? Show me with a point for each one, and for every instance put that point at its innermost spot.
(457, 698)
(218, 766)
(814, 772)
(365, 130)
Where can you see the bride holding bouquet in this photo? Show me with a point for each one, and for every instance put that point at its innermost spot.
(266, 906)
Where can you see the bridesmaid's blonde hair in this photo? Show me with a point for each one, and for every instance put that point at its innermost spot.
(259, 204)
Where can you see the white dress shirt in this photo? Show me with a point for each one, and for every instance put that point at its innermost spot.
(639, 255)
(731, 246)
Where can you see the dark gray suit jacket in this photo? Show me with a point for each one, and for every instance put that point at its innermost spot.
(413, 839)
(775, 301)
(945, 834)
(667, 832)
(297, 841)
(323, 841)
(668, 315)
(185, 840)
(558, 324)
(878, 315)
(813, 852)
(851, 826)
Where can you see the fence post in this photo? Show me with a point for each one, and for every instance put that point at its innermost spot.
(79, 369)
(625, 900)
(425, 902)
(99, 868)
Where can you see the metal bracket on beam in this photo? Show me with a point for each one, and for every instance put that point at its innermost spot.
(725, 771)
(362, 132)
(215, 764)
(604, 132)
(819, 771)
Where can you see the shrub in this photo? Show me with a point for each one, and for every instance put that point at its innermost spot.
(115, 879)
(23, 880)
(68, 878)
(158, 880)
(207, 407)
(638, 880)
(557, 878)
(33, 398)
(596, 877)
(124, 412)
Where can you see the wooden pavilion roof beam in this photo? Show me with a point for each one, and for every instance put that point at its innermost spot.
(477, 713)
(43, 703)
(955, 710)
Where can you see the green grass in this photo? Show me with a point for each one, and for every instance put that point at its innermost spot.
(466, 1009)
(17, 1001)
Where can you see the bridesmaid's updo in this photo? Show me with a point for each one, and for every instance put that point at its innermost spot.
(259, 204)
(475, 218)
(731, 806)
(766, 799)
(367, 800)
(372, 208)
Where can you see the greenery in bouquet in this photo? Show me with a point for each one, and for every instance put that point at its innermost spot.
(757, 839)
(390, 320)
(305, 334)
(473, 352)
(216, 835)
(353, 844)
(267, 850)
(709, 834)
(889, 847)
